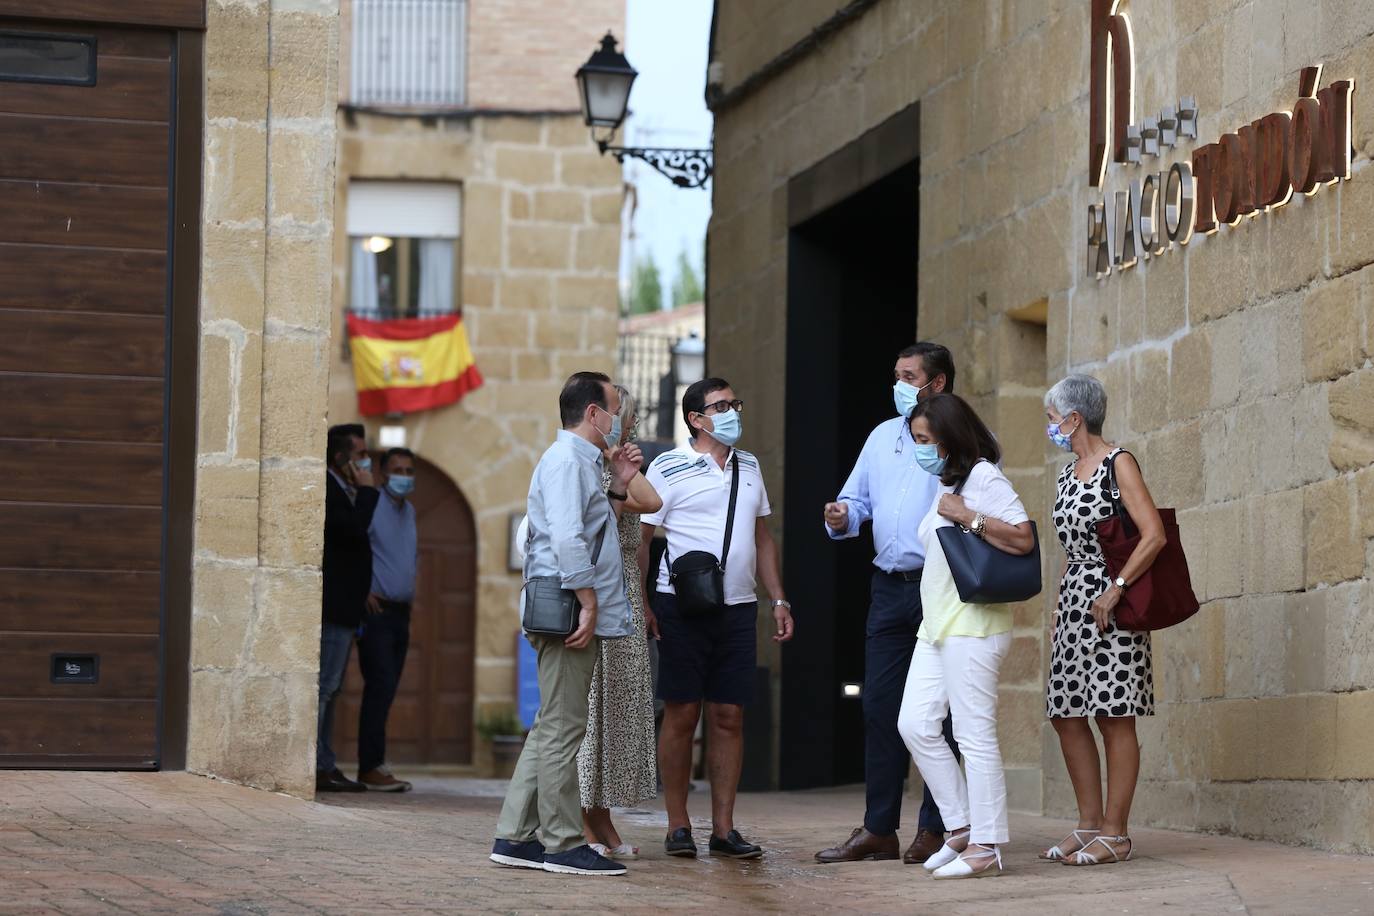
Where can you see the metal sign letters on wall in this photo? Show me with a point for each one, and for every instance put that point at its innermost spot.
(1252, 170)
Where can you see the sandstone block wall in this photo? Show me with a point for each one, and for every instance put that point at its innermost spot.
(268, 222)
(540, 253)
(1239, 368)
(522, 55)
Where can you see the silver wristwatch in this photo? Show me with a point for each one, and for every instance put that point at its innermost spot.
(1120, 582)
(782, 602)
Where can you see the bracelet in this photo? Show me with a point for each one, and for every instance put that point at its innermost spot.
(620, 496)
(782, 602)
(980, 525)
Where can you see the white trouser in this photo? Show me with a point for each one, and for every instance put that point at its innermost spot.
(958, 676)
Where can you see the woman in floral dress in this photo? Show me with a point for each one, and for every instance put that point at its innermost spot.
(617, 764)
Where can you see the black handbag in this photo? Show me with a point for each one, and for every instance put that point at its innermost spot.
(550, 609)
(698, 577)
(985, 575)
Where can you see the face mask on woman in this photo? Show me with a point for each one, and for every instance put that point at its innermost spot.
(1059, 438)
(928, 457)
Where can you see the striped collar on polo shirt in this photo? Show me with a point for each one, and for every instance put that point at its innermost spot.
(686, 463)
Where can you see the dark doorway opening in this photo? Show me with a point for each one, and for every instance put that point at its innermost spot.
(851, 306)
(431, 719)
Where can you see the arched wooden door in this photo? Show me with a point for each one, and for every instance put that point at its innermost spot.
(431, 720)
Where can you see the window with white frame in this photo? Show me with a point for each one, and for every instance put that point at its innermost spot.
(409, 53)
(403, 248)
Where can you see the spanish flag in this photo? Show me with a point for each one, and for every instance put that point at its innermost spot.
(402, 365)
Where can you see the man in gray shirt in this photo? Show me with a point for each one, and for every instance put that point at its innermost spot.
(541, 820)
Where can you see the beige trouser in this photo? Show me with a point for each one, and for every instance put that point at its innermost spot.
(543, 802)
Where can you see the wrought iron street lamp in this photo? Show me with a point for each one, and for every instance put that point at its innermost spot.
(689, 359)
(604, 83)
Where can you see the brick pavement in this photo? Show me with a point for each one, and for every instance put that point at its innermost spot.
(172, 843)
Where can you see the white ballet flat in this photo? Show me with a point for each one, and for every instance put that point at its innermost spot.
(944, 855)
(622, 852)
(960, 868)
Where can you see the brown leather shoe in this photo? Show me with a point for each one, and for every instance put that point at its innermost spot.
(381, 780)
(923, 847)
(860, 846)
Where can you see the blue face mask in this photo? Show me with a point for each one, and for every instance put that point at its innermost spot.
(1058, 438)
(928, 457)
(399, 486)
(364, 464)
(613, 437)
(905, 396)
(727, 427)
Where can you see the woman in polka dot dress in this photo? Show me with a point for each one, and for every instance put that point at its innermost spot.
(1098, 672)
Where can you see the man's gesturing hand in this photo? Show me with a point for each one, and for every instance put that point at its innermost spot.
(837, 516)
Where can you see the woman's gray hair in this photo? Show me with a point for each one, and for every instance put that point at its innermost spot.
(1083, 394)
(629, 406)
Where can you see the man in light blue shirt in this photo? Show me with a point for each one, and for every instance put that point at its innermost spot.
(889, 488)
(572, 535)
(384, 638)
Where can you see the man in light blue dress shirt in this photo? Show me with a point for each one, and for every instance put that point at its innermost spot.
(888, 488)
(572, 535)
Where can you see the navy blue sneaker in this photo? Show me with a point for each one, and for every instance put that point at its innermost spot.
(529, 854)
(581, 861)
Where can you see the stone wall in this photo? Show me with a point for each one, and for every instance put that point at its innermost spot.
(1238, 367)
(522, 55)
(540, 251)
(268, 219)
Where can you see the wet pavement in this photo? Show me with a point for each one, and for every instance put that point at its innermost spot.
(174, 843)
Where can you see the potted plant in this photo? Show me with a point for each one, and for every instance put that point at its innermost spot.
(501, 727)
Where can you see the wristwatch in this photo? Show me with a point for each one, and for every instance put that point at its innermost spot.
(1120, 582)
(620, 496)
(782, 602)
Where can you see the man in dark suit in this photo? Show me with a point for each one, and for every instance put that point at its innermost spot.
(349, 502)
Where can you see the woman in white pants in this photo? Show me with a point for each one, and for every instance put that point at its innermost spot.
(960, 647)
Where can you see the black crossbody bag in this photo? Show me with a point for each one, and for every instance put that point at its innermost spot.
(550, 609)
(698, 577)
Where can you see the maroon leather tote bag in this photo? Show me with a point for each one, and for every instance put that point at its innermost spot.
(1163, 595)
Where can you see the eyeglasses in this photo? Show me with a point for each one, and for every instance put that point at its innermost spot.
(719, 407)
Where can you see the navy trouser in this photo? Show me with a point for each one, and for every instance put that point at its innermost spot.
(335, 644)
(381, 658)
(894, 616)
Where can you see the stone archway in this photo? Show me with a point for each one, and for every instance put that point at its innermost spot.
(431, 720)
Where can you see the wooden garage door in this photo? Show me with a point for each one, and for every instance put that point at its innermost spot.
(431, 720)
(84, 241)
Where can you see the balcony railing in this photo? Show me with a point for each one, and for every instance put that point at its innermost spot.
(409, 53)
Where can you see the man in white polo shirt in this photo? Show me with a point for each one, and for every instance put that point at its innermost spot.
(709, 655)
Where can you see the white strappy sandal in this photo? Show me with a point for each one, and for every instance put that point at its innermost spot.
(960, 868)
(1084, 857)
(620, 853)
(944, 855)
(1055, 854)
